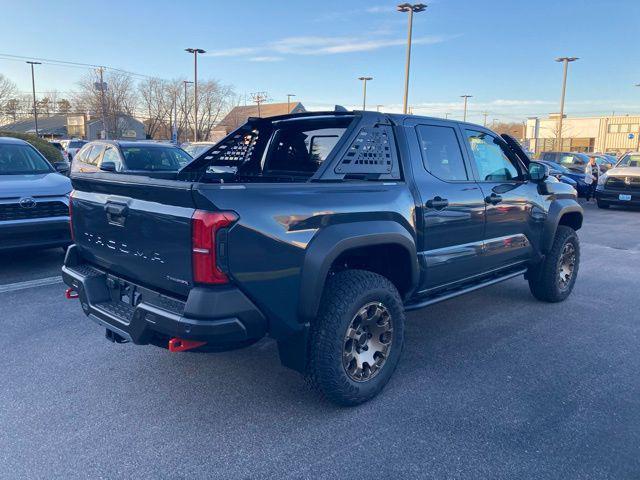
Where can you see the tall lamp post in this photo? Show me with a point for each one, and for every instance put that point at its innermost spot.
(186, 111)
(411, 9)
(565, 64)
(289, 95)
(364, 90)
(195, 52)
(466, 97)
(33, 86)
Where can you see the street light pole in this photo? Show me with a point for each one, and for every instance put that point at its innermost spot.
(565, 64)
(411, 9)
(364, 91)
(466, 97)
(33, 86)
(186, 111)
(195, 52)
(289, 95)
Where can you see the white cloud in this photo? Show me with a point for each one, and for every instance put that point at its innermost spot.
(265, 59)
(315, 45)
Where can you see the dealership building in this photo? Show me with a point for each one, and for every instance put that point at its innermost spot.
(610, 134)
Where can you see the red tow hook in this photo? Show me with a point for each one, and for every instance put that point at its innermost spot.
(70, 293)
(180, 345)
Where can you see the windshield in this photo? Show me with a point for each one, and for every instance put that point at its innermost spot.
(195, 150)
(155, 158)
(22, 159)
(631, 160)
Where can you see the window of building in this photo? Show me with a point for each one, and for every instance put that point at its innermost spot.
(490, 158)
(441, 154)
(624, 128)
(614, 128)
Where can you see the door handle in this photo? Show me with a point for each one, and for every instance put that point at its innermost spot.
(437, 203)
(116, 209)
(493, 199)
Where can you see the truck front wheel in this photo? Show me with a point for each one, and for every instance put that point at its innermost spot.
(553, 279)
(357, 338)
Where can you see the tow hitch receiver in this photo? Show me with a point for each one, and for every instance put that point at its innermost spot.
(70, 293)
(180, 345)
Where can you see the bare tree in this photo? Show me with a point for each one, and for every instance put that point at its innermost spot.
(12, 109)
(214, 100)
(119, 98)
(63, 107)
(156, 101)
(7, 89)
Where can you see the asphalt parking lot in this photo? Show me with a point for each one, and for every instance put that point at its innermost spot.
(491, 385)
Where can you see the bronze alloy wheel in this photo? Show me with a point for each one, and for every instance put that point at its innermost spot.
(367, 342)
(566, 265)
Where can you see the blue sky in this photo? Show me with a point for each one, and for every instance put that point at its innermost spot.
(501, 52)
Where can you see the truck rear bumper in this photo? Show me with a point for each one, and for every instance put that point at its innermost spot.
(219, 316)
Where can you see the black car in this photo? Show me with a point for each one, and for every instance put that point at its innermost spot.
(576, 180)
(330, 227)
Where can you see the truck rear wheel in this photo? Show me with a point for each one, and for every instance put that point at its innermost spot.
(357, 338)
(553, 279)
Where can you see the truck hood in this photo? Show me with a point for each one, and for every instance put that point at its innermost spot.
(623, 172)
(43, 184)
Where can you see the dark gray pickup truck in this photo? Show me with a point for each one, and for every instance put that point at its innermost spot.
(318, 230)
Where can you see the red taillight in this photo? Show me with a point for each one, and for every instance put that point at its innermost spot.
(71, 215)
(204, 228)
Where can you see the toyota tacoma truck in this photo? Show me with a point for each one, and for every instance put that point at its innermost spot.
(319, 230)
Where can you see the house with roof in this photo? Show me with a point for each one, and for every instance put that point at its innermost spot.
(77, 126)
(239, 115)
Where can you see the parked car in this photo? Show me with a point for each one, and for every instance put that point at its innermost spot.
(328, 231)
(34, 198)
(576, 162)
(576, 180)
(128, 156)
(621, 184)
(60, 148)
(72, 147)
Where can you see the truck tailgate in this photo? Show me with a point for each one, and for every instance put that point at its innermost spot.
(136, 227)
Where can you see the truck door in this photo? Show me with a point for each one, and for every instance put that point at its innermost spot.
(514, 214)
(451, 210)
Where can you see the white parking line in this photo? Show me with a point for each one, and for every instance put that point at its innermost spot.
(40, 282)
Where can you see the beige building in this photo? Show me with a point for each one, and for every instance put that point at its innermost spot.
(611, 134)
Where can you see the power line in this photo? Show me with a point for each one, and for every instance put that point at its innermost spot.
(65, 63)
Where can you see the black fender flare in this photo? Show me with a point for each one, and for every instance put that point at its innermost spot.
(333, 240)
(557, 210)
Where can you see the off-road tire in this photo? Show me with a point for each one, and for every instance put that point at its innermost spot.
(602, 204)
(544, 278)
(347, 293)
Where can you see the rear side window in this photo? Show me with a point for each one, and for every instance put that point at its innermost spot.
(92, 157)
(441, 154)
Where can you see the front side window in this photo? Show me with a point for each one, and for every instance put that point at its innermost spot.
(21, 160)
(92, 156)
(111, 155)
(492, 163)
(441, 154)
(154, 158)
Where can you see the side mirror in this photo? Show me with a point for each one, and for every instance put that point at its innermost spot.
(108, 166)
(538, 172)
(61, 167)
